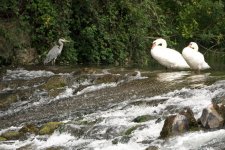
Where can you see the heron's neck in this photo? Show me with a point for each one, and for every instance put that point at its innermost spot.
(60, 45)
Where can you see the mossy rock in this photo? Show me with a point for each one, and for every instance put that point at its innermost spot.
(130, 130)
(55, 82)
(29, 128)
(12, 135)
(2, 139)
(143, 118)
(49, 128)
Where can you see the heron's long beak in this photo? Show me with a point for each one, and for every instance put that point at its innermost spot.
(66, 40)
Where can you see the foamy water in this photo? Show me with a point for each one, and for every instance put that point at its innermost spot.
(121, 116)
(21, 73)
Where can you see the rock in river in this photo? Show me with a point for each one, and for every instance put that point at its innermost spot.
(211, 118)
(180, 123)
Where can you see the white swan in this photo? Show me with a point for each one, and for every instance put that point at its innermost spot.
(167, 57)
(194, 58)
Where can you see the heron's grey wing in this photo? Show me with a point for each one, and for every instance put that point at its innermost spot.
(52, 54)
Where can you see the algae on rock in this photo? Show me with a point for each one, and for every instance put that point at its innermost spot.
(49, 127)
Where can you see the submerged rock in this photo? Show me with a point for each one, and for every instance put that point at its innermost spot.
(143, 118)
(7, 99)
(130, 130)
(19, 134)
(107, 78)
(29, 128)
(75, 130)
(49, 127)
(13, 96)
(152, 148)
(2, 139)
(84, 71)
(211, 118)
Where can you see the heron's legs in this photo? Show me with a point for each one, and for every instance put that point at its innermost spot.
(53, 62)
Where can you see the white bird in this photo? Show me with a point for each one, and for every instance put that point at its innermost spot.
(194, 58)
(54, 52)
(167, 57)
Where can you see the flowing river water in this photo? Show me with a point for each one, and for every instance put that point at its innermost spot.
(98, 107)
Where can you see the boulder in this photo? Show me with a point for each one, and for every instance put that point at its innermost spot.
(219, 98)
(193, 124)
(211, 118)
(167, 127)
(178, 124)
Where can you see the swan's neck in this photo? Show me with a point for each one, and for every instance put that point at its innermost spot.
(164, 44)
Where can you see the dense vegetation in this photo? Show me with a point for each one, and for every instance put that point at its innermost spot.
(117, 32)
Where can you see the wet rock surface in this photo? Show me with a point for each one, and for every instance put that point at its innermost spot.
(211, 117)
(179, 123)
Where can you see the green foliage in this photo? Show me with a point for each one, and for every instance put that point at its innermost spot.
(104, 32)
(203, 20)
(112, 32)
(50, 20)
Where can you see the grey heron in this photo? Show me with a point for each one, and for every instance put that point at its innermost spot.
(55, 52)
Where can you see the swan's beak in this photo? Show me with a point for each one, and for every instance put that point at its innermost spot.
(189, 46)
(153, 45)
